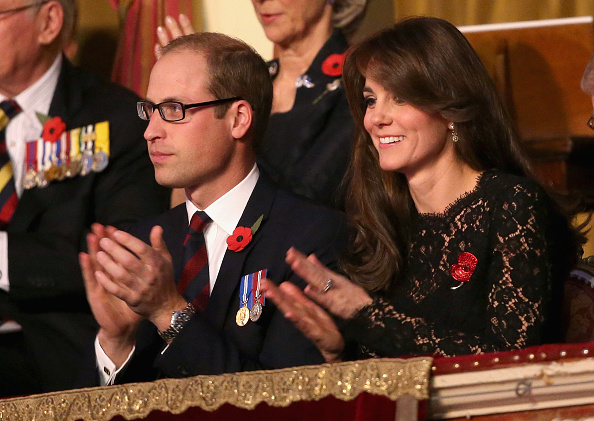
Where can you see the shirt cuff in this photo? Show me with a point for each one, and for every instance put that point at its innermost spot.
(107, 369)
(4, 284)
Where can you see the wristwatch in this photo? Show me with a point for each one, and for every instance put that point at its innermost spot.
(179, 319)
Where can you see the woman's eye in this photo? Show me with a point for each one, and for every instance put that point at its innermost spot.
(369, 101)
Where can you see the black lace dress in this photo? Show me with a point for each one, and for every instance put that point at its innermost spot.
(484, 276)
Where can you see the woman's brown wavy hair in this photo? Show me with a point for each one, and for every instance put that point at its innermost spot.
(429, 64)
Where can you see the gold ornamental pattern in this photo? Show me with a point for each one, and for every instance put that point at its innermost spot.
(391, 378)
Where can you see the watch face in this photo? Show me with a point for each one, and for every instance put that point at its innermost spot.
(178, 320)
(175, 317)
(180, 317)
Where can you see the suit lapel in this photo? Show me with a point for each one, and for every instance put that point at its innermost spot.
(231, 271)
(68, 95)
(66, 100)
(175, 229)
(29, 206)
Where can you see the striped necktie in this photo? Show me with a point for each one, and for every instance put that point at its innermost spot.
(8, 196)
(194, 281)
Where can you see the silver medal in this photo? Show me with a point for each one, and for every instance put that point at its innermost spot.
(100, 161)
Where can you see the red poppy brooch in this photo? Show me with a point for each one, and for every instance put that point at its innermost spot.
(52, 129)
(242, 236)
(462, 271)
(332, 66)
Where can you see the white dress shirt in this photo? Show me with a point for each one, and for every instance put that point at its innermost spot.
(22, 128)
(225, 213)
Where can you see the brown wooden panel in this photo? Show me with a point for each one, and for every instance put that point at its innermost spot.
(537, 68)
(579, 412)
(544, 68)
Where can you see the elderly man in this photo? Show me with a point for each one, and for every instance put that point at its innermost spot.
(186, 301)
(71, 153)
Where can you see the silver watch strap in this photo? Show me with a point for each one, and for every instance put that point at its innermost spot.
(178, 320)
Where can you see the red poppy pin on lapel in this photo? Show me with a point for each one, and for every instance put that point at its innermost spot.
(53, 129)
(462, 271)
(242, 236)
(332, 66)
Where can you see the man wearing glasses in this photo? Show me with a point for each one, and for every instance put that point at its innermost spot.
(209, 99)
(71, 153)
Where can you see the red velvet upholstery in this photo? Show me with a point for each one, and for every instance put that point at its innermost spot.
(364, 407)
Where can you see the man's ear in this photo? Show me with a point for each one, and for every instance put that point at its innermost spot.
(243, 116)
(49, 22)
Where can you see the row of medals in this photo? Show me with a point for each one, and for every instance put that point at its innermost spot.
(244, 314)
(82, 165)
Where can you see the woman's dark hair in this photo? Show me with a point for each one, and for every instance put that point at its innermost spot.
(429, 64)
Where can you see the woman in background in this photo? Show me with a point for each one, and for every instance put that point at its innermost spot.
(455, 249)
(307, 146)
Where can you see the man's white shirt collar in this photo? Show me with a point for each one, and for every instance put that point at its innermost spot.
(226, 211)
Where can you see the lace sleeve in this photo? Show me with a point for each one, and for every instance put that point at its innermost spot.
(518, 291)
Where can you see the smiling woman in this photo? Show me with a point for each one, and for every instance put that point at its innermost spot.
(473, 250)
(407, 139)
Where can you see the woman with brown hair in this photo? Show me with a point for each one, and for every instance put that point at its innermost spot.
(455, 249)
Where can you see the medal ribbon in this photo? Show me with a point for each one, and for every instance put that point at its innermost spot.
(256, 286)
(244, 291)
(67, 148)
(102, 134)
(75, 143)
(46, 154)
(57, 153)
(31, 154)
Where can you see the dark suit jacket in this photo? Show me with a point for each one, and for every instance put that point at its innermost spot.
(212, 342)
(49, 226)
(307, 150)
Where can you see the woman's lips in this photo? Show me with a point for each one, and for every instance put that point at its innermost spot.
(268, 18)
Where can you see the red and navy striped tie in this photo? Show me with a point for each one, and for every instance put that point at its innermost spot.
(8, 196)
(194, 281)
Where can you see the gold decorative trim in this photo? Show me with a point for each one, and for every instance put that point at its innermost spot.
(391, 378)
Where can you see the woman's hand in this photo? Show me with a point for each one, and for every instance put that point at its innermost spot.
(172, 30)
(313, 321)
(333, 291)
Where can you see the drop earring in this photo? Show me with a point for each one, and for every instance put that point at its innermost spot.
(455, 137)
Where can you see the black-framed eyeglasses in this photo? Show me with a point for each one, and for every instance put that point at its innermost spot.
(591, 122)
(174, 110)
(20, 8)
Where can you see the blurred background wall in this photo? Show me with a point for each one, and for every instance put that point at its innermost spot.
(99, 30)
